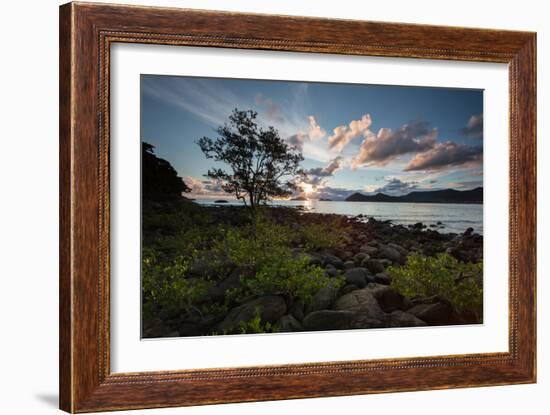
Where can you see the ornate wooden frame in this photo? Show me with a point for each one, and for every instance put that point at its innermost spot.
(86, 33)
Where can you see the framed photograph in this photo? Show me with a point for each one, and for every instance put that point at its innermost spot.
(259, 207)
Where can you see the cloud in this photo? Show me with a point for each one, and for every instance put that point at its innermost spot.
(317, 176)
(343, 134)
(272, 110)
(396, 187)
(314, 133)
(328, 170)
(207, 100)
(443, 155)
(297, 140)
(388, 144)
(206, 187)
(474, 127)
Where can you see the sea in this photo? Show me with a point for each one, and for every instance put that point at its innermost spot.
(448, 217)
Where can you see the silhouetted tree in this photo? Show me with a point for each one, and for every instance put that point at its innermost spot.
(262, 165)
(159, 180)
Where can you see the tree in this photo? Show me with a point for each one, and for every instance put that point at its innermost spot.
(262, 165)
(159, 180)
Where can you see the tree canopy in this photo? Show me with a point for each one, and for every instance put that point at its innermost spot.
(261, 164)
(159, 180)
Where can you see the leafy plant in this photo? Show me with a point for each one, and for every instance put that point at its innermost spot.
(165, 287)
(319, 236)
(443, 276)
(263, 249)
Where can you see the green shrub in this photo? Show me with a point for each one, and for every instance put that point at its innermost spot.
(319, 236)
(263, 249)
(164, 286)
(443, 276)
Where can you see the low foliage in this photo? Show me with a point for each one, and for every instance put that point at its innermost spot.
(324, 235)
(165, 287)
(443, 276)
(263, 248)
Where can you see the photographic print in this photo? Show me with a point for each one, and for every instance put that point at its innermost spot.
(283, 206)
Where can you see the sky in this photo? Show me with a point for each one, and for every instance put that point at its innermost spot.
(354, 137)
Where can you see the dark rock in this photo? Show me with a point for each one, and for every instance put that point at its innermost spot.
(375, 266)
(364, 305)
(345, 255)
(333, 260)
(348, 288)
(434, 314)
(357, 276)
(402, 251)
(297, 310)
(272, 308)
(385, 262)
(388, 298)
(369, 250)
(289, 323)
(331, 271)
(349, 264)
(418, 226)
(313, 259)
(469, 231)
(361, 256)
(400, 318)
(382, 278)
(323, 299)
(328, 320)
(390, 253)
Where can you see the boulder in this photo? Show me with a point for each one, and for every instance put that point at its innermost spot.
(388, 298)
(382, 278)
(402, 251)
(349, 264)
(365, 307)
(348, 288)
(333, 260)
(369, 250)
(357, 276)
(374, 266)
(361, 256)
(271, 308)
(390, 253)
(328, 320)
(434, 314)
(289, 323)
(323, 299)
(400, 318)
(297, 310)
(331, 271)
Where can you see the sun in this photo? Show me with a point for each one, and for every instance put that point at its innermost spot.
(307, 189)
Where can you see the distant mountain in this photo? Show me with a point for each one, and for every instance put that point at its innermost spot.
(429, 196)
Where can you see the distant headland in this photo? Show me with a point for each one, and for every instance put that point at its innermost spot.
(431, 196)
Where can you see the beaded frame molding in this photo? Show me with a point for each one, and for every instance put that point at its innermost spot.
(86, 33)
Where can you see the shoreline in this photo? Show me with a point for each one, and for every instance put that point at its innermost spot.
(360, 294)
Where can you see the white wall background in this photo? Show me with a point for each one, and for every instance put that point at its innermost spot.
(29, 192)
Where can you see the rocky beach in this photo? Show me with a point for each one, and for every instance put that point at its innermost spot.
(365, 273)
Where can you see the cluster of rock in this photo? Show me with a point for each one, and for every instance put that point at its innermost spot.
(365, 299)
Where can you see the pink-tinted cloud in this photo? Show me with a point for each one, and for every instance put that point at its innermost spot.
(444, 155)
(388, 144)
(344, 134)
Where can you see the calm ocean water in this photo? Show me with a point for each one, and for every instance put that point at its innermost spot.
(454, 217)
